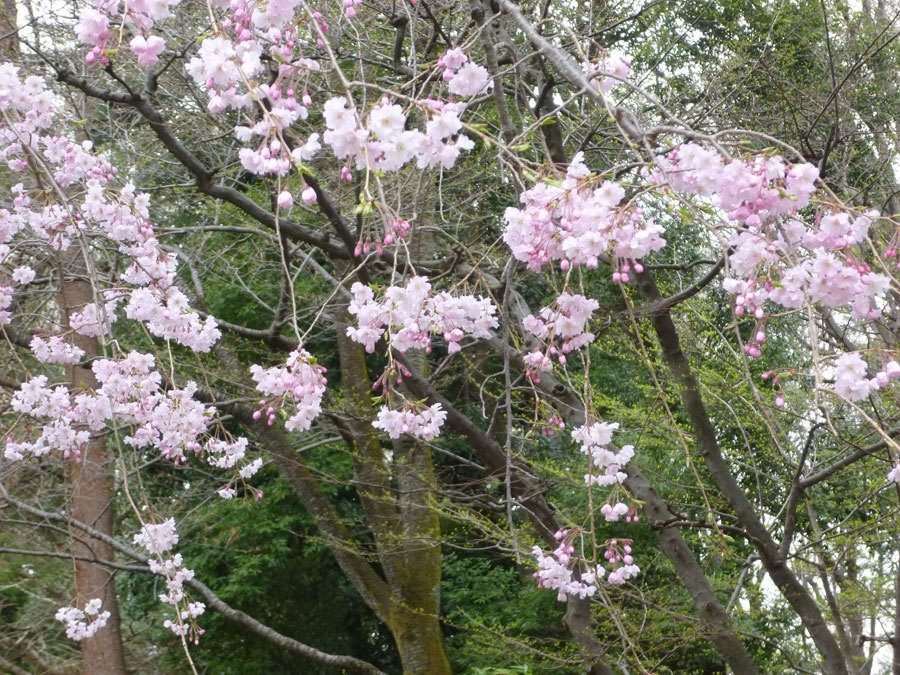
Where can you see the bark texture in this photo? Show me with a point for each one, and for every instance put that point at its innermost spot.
(404, 523)
(92, 494)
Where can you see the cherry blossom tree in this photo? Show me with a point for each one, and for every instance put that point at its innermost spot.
(439, 220)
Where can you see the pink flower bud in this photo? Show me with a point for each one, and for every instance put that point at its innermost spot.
(308, 195)
(285, 200)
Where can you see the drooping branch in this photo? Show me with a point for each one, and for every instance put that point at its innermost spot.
(529, 496)
(214, 601)
(373, 589)
(204, 178)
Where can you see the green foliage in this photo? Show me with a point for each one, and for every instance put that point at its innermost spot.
(497, 620)
(265, 558)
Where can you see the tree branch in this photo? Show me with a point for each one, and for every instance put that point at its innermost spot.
(237, 616)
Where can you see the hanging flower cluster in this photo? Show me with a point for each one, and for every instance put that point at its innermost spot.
(158, 540)
(411, 314)
(577, 222)
(83, 623)
(562, 329)
(300, 381)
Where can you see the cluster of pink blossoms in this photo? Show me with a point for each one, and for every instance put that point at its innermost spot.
(158, 540)
(94, 27)
(93, 323)
(595, 439)
(300, 380)
(394, 232)
(464, 77)
(425, 423)
(226, 63)
(566, 324)
(130, 394)
(777, 256)
(121, 216)
(576, 223)
(385, 144)
(83, 623)
(850, 376)
(60, 432)
(55, 349)
(411, 314)
(555, 571)
(618, 557)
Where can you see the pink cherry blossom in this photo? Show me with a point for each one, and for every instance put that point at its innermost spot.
(147, 49)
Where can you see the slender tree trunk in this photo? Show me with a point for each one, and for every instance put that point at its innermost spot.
(833, 659)
(91, 492)
(895, 642)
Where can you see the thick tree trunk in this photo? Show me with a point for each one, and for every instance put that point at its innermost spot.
(416, 601)
(404, 524)
(91, 492)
